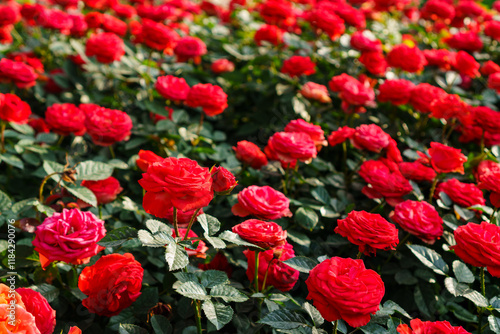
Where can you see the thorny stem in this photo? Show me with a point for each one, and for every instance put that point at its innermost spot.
(191, 223)
(176, 228)
(198, 316)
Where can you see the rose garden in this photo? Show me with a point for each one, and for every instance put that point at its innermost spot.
(246, 166)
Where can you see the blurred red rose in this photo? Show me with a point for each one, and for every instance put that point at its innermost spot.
(487, 118)
(467, 41)
(190, 48)
(65, 118)
(21, 74)
(106, 47)
(314, 91)
(114, 25)
(490, 180)
(492, 29)
(340, 135)
(289, 147)
(314, 131)
(437, 9)
(423, 95)
(325, 19)
(446, 159)
(210, 98)
(37, 123)
(494, 81)
(250, 154)
(13, 109)
(420, 327)
(222, 66)
(179, 183)
(362, 43)
(55, 19)
(9, 14)
(345, 289)
(278, 12)
(104, 190)
(409, 59)
(172, 88)
(158, 36)
(269, 33)
(489, 68)
(223, 180)
(374, 62)
(441, 58)
(463, 194)
(416, 171)
(107, 126)
(112, 284)
(370, 137)
(36, 304)
(296, 66)
(262, 202)
(465, 64)
(263, 234)
(396, 91)
(94, 19)
(451, 106)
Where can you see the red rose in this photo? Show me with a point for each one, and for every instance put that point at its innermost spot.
(190, 47)
(222, 66)
(489, 68)
(441, 58)
(420, 219)
(223, 180)
(490, 180)
(13, 109)
(406, 58)
(369, 231)
(465, 64)
(74, 330)
(112, 284)
(494, 81)
(416, 171)
(38, 124)
(487, 119)
(179, 183)
(273, 270)
(200, 250)
(107, 126)
(269, 33)
(158, 36)
(9, 14)
(446, 159)
(106, 47)
(172, 88)
(298, 65)
(5, 35)
(357, 94)
(263, 234)
(22, 75)
(374, 62)
(65, 118)
(492, 29)
(423, 95)
(451, 106)
(314, 91)
(147, 158)
(362, 43)
(55, 19)
(183, 218)
(262, 202)
(484, 167)
(250, 154)
(210, 98)
(124, 11)
(288, 147)
(396, 91)
(218, 262)
(314, 131)
(467, 41)
(325, 19)
(340, 135)
(392, 152)
(464, 194)
(437, 9)
(36, 304)
(345, 289)
(278, 12)
(370, 137)
(94, 19)
(113, 25)
(104, 190)
(420, 327)
(479, 245)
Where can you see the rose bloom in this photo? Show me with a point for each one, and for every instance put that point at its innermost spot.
(104, 190)
(13, 109)
(397, 91)
(298, 65)
(94, 19)
(5, 296)
(490, 180)
(65, 118)
(277, 12)
(288, 147)
(273, 270)
(200, 250)
(340, 135)
(36, 304)
(314, 131)
(172, 88)
(190, 48)
(369, 231)
(325, 19)
(179, 183)
(484, 167)
(370, 137)
(441, 58)
(55, 19)
(270, 34)
(107, 126)
(222, 66)
(489, 68)
(112, 284)
(158, 36)
(363, 43)
(262, 202)
(406, 58)
(494, 82)
(467, 41)
(487, 119)
(106, 47)
(437, 9)
(114, 25)
(423, 95)
(479, 245)
(9, 14)
(70, 236)
(465, 64)
(21, 74)
(416, 171)
(492, 29)
(223, 180)
(74, 330)
(218, 262)
(374, 62)
(210, 98)
(356, 95)
(420, 327)
(263, 234)
(463, 194)
(314, 91)
(451, 106)
(183, 218)
(25, 321)
(446, 159)
(5, 34)
(250, 154)
(345, 289)
(420, 219)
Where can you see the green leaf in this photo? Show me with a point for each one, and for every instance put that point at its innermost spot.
(45, 209)
(210, 225)
(307, 218)
(430, 258)
(157, 226)
(463, 213)
(186, 277)
(236, 239)
(193, 290)
(494, 323)
(85, 194)
(217, 313)
(214, 241)
(50, 292)
(463, 290)
(461, 313)
(161, 325)
(131, 329)
(211, 278)
(51, 167)
(159, 239)
(404, 277)
(5, 202)
(12, 160)
(316, 317)
(176, 256)
(462, 272)
(390, 307)
(228, 293)
(93, 170)
(284, 319)
(118, 236)
(321, 195)
(25, 129)
(301, 263)
(299, 238)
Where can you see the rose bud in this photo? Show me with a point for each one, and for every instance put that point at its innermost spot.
(222, 66)
(263, 234)
(147, 158)
(314, 91)
(172, 88)
(210, 98)
(446, 159)
(75, 330)
(223, 181)
(250, 154)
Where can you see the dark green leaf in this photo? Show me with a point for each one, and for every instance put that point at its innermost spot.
(193, 290)
(430, 258)
(284, 319)
(313, 312)
(118, 236)
(228, 293)
(307, 218)
(321, 195)
(131, 329)
(462, 272)
(161, 325)
(236, 239)
(217, 313)
(210, 225)
(211, 278)
(301, 263)
(93, 170)
(176, 256)
(83, 193)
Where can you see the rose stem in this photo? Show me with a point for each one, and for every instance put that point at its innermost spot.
(191, 223)
(100, 211)
(265, 276)
(433, 188)
(335, 324)
(256, 272)
(493, 216)
(360, 254)
(2, 130)
(197, 316)
(200, 126)
(111, 151)
(483, 291)
(176, 228)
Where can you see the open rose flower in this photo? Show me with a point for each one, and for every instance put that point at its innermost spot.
(70, 236)
(263, 234)
(13, 109)
(446, 159)
(314, 91)
(463, 194)
(36, 304)
(210, 98)
(250, 154)
(190, 48)
(370, 231)
(370, 137)
(107, 126)
(65, 118)
(262, 202)
(314, 131)
(297, 66)
(421, 327)
(172, 88)
(106, 47)
(105, 190)
(396, 91)
(409, 59)
(422, 96)
(290, 147)
(112, 284)
(7, 297)
(340, 135)
(21, 74)
(25, 321)
(179, 183)
(344, 289)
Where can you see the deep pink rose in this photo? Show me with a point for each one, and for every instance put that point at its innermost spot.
(262, 202)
